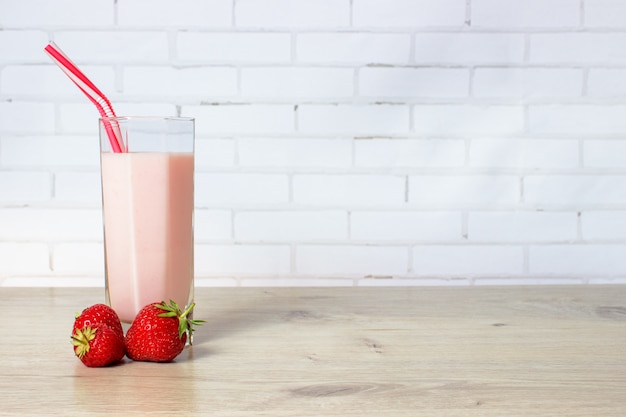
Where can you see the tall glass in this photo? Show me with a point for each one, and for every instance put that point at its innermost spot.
(148, 202)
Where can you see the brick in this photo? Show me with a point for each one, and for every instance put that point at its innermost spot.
(408, 13)
(200, 82)
(31, 44)
(341, 260)
(467, 261)
(353, 119)
(78, 188)
(219, 189)
(522, 226)
(35, 152)
(524, 153)
(413, 82)
(604, 153)
(292, 13)
(376, 226)
(24, 258)
(364, 48)
(575, 190)
(117, 47)
(281, 226)
(212, 153)
(296, 282)
(41, 13)
(469, 48)
(236, 119)
(605, 13)
(444, 119)
(186, 13)
(603, 225)
(21, 187)
(242, 260)
(529, 83)
(606, 82)
(279, 83)
(405, 153)
(525, 13)
(50, 224)
(574, 119)
(295, 153)
(348, 190)
(212, 225)
(231, 48)
(464, 190)
(78, 258)
(577, 260)
(26, 117)
(578, 48)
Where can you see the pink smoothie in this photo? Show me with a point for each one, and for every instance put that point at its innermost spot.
(148, 214)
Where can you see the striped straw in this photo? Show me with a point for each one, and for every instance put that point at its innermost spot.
(91, 91)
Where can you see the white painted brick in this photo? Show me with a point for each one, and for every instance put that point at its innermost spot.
(180, 82)
(527, 82)
(144, 109)
(575, 190)
(24, 258)
(522, 226)
(37, 80)
(577, 119)
(280, 226)
(348, 119)
(408, 13)
(41, 13)
(468, 119)
(610, 225)
(525, 13)
(578, 48)
(605, 153)
(292, 13)
(161, 13)
(240, 189)
(606, 82)
(484, 190)
(242, 260)
(521, 153)
(349, 190)
(464, 48)
(256, 119)
(212, 225)
(296, 282)
(466, 260)
(234, 47)
(413, 82)
(409, 153)
(120, 47)
(605, 13)
(24, 187)
(330, 260)
(342, 47)
(50, 224)
(277, 83)
(78, 187)
(31, 44)
(78, 258)
(577, 260)
(49, 151)
(295, 153)
(26, 117)
(405, 226)
(211, 153)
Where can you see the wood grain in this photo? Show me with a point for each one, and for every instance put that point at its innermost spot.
(476, 351)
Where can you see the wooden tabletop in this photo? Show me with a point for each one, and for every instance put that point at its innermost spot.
(473, 351)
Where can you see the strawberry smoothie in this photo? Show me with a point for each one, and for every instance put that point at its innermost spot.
(148, 221)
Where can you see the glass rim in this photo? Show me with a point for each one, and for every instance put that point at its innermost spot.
(146, 118)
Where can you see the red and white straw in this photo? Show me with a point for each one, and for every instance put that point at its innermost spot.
(91, 91)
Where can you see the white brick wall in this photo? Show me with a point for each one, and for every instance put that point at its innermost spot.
(339, 142)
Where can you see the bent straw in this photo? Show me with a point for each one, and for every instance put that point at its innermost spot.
(92, 92)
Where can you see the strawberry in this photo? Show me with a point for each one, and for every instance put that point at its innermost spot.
(159, 332)
(98, 314)
(98, 346)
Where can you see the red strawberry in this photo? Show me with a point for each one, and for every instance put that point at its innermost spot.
(159, 332)
(98, 314)
(98, 345)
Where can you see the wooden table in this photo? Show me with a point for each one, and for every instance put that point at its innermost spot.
(474, 351)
